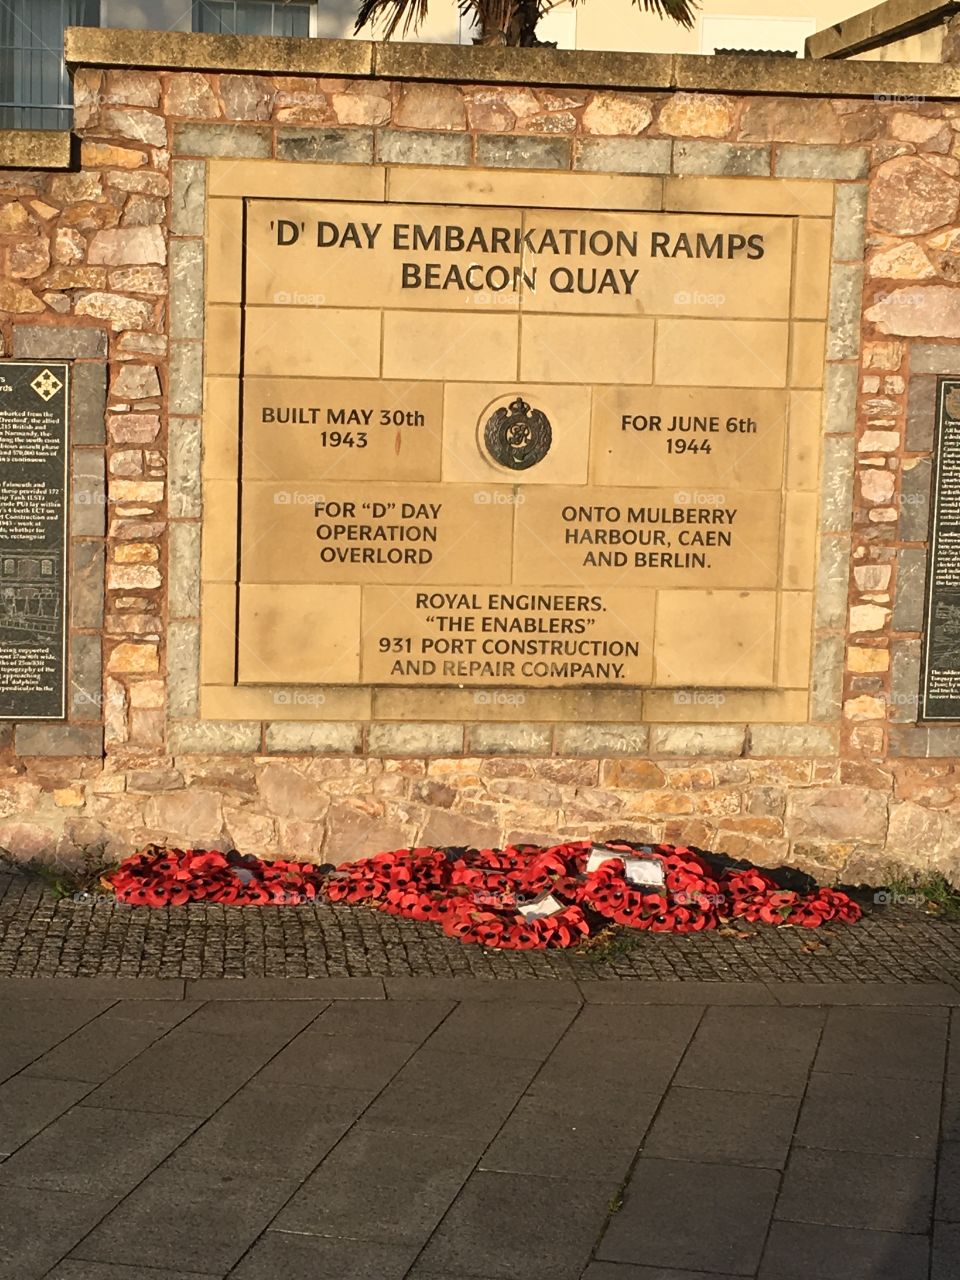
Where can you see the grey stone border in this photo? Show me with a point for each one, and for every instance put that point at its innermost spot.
(80, 733)
(607, 991)
(188, 734)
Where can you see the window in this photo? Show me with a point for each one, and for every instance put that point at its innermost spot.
(251, 18)
(34, 84)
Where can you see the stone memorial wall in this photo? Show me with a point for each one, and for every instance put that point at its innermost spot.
(465, 449)
(466, 446)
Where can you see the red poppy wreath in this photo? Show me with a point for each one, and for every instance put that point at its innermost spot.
(518, 898)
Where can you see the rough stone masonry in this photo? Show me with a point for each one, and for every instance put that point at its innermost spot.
(102, 264)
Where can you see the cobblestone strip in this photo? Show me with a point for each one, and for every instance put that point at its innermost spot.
(43, 936)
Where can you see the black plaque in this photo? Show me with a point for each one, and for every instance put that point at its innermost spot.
(940, 686)
(33, 533)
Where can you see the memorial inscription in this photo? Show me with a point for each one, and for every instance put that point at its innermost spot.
(940, 692)
(33, 478)
(485, 444)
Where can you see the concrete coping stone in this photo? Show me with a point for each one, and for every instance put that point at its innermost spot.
(476, 64)
(543, 991)
(35, 149)
(877, 26)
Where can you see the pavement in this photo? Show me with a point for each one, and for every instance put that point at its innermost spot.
(41, 935)
(437, 1128)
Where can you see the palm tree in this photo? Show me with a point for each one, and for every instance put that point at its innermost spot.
(505, 22)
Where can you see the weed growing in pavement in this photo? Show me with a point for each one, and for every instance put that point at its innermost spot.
(933, 892)
(610, 943)
(76, 882)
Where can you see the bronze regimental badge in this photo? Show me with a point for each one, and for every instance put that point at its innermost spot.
(517, 436)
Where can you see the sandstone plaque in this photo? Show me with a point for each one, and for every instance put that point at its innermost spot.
(501, 446)
(33, 528)
(940, 692)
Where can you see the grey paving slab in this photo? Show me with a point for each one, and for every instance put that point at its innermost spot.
(271, 1133)
(721, 1127)
(89, 1147)
(798, 1251)
(874, 1043)
(411, 1020)
(562, 1133)
(934, 994)
(270, 1021)
(457, 1094)
(417, 1273)
(619, 1271)
(33, 1027)
(188, 1221)
(184, 1073)
(376, 1185)
(107, 1043)
(551, 991)
(77, 1270)
(96, 988)
(693, 992)
(16, 1055)
(951, 1109)
(849, 1189)
(953, 1057)
(294, 1257)
(518, 1227)
(609, 1045)
(700, 1217)
(889, 1116)
(284, 989)
(330, 1062)
(27, 1105)
(38, 1227)
(945, 1257)
(523, 1030)
(752, 1050)
(948, 1183)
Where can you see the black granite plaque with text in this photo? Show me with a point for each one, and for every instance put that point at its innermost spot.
(940, 687)
(33, 531)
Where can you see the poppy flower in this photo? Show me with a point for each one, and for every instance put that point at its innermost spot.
(448, 887)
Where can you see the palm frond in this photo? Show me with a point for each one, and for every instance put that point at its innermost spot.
(394, 14)
(681, 11)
